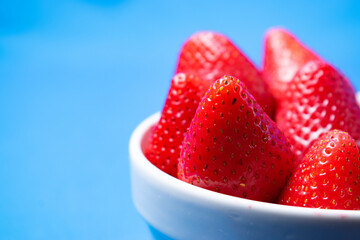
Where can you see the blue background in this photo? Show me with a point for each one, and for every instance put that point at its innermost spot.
(76, 77)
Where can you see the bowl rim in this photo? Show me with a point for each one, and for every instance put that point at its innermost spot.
(196, 193)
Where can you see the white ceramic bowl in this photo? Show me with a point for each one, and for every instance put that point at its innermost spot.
(177, 210)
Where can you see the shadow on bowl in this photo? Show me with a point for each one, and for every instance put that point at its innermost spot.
(177, 210)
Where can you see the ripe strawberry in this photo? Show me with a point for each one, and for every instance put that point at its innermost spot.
(328, 176)
(233, 147)
(211, 55)
(318, 100)
(283, 57)
(164, 144)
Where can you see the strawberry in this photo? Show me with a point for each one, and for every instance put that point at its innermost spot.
(233, 147)
(164, 144)
(328, 176)
(318, 100)
(211, 55)
(283, 56)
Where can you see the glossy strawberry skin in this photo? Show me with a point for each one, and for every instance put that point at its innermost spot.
(318, 100)
(233, 147)
(211, 55)
(328, 176)
(284, 55)
(164, 144)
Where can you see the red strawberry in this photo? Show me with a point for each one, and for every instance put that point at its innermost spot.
(328, 176)
(211, 55)
(283, 57)
(163, 147)
(233, 147)
(318, 100)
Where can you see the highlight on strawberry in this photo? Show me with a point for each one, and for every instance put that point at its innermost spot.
(328, 176)
(233, 147)
(318, 99)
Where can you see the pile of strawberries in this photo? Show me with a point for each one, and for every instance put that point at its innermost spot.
(287, 134)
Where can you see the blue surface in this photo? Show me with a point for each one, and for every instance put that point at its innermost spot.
(76, 77)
